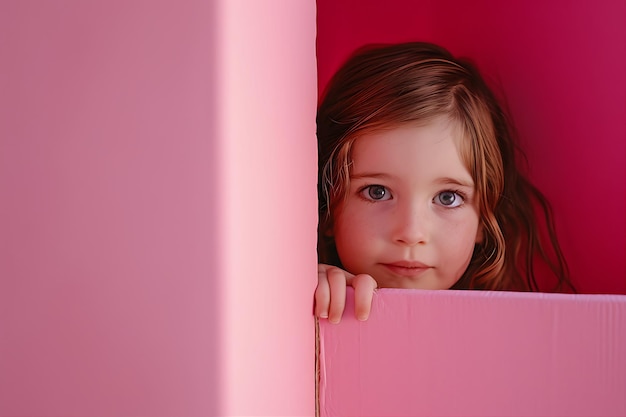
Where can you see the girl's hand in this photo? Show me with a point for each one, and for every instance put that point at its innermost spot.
(330, 295)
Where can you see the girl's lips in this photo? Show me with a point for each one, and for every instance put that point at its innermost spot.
(407, 269)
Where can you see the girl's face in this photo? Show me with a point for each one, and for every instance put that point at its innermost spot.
(410, 219)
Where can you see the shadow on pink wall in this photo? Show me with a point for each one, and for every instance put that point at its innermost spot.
(106, 244)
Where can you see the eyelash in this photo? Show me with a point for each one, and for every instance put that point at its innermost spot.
(373, 200)
(458, 193)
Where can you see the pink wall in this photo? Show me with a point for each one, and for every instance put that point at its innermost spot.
(267, 96)
(157, 208)
(562, 66)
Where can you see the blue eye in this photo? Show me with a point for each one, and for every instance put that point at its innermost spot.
(449, 199)
(375, 193)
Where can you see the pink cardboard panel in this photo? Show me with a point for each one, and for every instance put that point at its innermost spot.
(455, 353)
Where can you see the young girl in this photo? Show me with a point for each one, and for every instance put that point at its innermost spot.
(419, 185)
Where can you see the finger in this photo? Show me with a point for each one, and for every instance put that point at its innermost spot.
(364, 288)
(322, 294)
(337, 284)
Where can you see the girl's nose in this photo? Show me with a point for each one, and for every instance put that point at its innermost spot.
(411, 224)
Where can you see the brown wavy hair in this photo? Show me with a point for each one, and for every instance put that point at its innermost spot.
(386, 86)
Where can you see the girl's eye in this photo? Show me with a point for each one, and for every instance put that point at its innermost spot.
(376, 193)
(449, 199)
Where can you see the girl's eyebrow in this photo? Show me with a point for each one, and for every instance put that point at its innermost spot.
(370, 175)
(455, 181)
(441, 181)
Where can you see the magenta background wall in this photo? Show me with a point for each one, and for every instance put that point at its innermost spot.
(157, 208)
(562, 67)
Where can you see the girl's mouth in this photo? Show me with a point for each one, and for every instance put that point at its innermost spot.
(407, 269)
